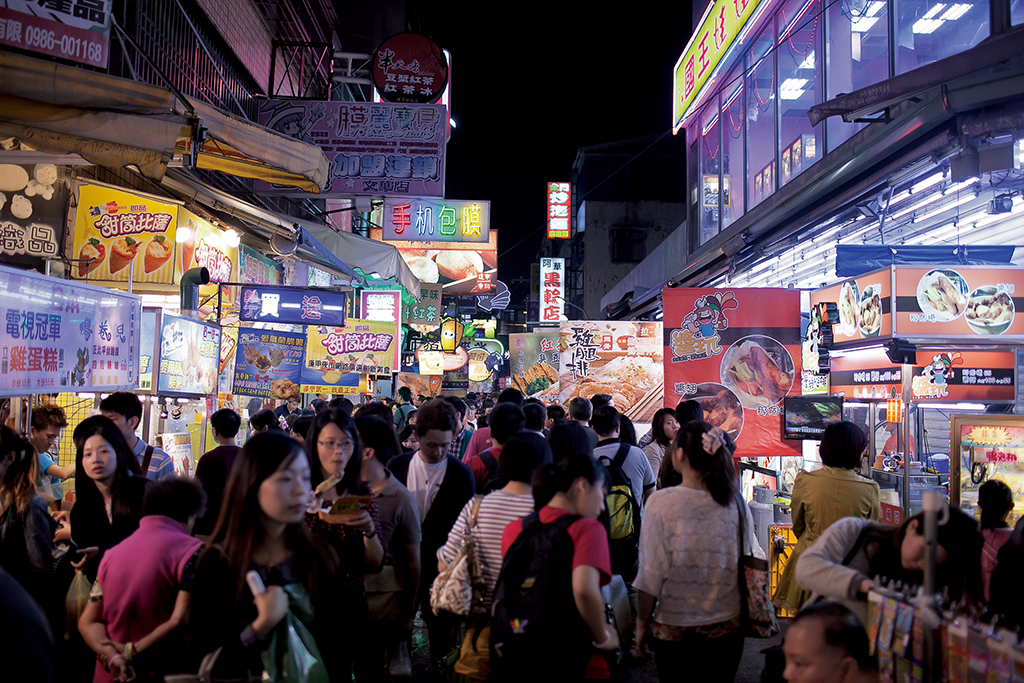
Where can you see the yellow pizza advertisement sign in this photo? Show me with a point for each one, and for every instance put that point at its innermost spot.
(119, 233)
(203, 245)
(338, 359)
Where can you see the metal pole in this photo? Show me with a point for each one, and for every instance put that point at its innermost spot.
(903, 432)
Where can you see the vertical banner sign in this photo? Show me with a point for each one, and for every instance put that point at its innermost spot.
(622, 359)
(384, 306)
(268, 364)
(552, 289)
(75, 30)
(147, 349)
(559, 208)
(737, 353)
(62, 336)
(533, 363)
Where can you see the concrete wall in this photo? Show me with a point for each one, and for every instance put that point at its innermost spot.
(599, 273)
(659, 267)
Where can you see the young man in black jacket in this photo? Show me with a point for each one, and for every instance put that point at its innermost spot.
(441, 486)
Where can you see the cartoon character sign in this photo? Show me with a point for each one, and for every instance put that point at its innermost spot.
(708, 316)
(941, 368)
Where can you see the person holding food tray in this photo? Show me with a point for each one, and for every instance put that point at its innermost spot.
(824, 496)
(347, 517)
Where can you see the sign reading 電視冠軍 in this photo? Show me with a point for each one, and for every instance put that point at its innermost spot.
(436, 220)
(552, 289)
(559, 208)
(722, 23)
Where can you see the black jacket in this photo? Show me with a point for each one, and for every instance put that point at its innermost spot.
(90, 526)
(455, 491)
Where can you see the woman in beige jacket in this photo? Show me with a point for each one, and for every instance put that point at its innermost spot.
(825, 496)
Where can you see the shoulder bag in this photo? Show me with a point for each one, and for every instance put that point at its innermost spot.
(460, 588)
(757, 614)
(205, 674)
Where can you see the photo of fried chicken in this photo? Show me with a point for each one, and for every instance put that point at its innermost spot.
(721, 407)
(943, 294)
(759, 370)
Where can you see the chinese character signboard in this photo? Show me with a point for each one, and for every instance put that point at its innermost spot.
(436, 220)
(552, 289)
(409, 67)
(378, 149)
(255, 268)
(721, 25)
(75, 30)
(294, 305)
(940, 375)
(268, 364)
(426, 311)
(31, 221)
(384, 306)
(337, 356)
(62, 336)
(533, 362)
(737, 353)
(148, 352)
(622, 359)
(559, 208)
(189, 356)
(117, 233)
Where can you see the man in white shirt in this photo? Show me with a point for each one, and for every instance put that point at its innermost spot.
(124, 409)
(637, 467)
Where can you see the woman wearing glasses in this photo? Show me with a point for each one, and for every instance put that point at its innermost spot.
(335, 454)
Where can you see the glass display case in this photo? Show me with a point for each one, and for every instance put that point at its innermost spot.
(989, 447)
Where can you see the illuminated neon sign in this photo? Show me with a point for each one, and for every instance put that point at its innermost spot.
(436, 220)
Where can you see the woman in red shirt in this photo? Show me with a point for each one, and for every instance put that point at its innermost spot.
(576, 486)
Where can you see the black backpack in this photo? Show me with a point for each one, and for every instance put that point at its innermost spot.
(534, 619)
(623, 517)
(491, 481)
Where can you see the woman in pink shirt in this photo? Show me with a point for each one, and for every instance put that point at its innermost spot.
(995, 500)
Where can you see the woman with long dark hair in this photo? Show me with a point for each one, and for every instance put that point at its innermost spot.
(26, 529)
(686, 411)
(824, 496)
(663, 429)
(336, 455)
(689, 562)
(261, 528)
(851, 553)
(109, 488)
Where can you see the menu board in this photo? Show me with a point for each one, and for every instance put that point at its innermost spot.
(117, 233)
(737, 352)
(864, 303)
(939, 375)
(533, 362)
(621, 359)
(189, 356)
(268, 364)
(336, 357)
(179, 447)
(66, 336)
(959, 301)
(147, 349)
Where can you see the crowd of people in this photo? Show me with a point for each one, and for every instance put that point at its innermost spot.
(331, 524)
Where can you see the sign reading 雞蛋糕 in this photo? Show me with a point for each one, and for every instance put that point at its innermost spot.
(373, 148)
(295, 305)
(66, 336)
(437, 220)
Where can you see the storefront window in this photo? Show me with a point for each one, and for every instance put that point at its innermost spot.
(710, 133)
(927, 31)
(858, 54)
(733, 204)
(799, 29)
(760, 91)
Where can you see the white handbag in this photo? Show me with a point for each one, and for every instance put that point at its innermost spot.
(460, 588)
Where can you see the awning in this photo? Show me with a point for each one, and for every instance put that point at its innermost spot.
(112, 121)
(317, 242)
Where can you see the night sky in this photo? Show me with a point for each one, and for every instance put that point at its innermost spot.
(534, 85)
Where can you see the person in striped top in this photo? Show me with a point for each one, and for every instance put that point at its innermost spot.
(521, 455)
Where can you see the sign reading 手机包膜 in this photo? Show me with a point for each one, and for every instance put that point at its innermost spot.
(436, 220)
(552, 289)
(66, 336)
(722, 23)
(559, 209)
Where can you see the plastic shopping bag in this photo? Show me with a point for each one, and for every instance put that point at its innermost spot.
(293, 656)
(77, 598)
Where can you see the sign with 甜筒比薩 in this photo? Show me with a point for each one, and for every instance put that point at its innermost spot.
(436, 220)
(722, 23)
